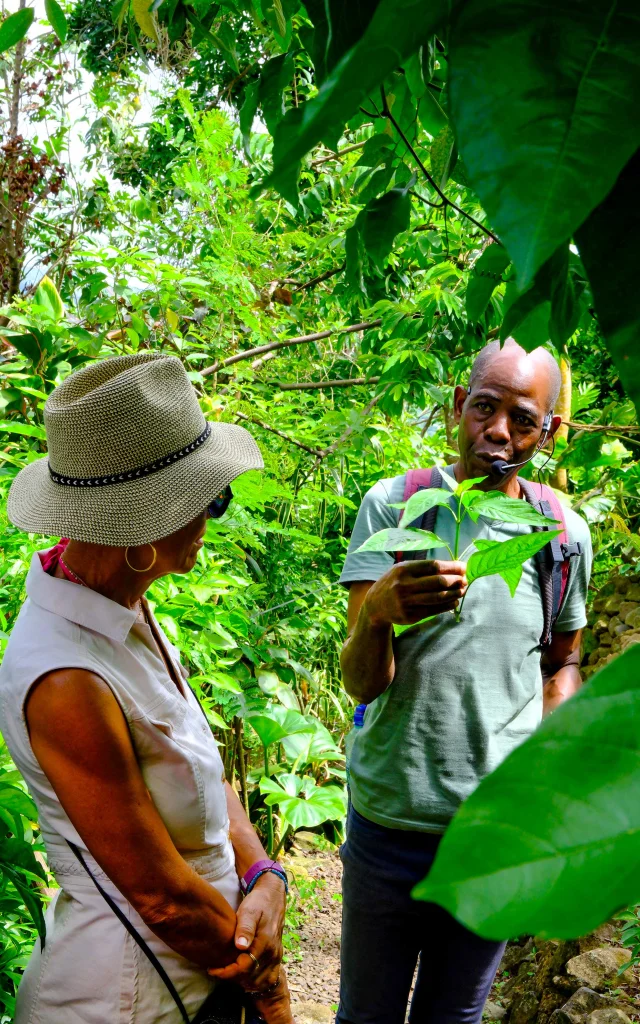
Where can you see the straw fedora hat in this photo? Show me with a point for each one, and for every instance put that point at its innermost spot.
(131, 457)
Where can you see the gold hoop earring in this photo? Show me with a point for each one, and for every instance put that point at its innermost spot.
(150, 566)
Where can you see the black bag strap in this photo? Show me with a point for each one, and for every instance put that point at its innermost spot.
(134, 933)
(428, 520)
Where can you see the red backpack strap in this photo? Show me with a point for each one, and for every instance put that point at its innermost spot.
(554, 568)
(419, 480)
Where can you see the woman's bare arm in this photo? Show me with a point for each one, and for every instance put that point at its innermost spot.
(81, 740)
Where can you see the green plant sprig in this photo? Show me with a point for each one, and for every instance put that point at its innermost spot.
(491, 557)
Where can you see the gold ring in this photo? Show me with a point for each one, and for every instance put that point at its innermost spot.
(254, 958)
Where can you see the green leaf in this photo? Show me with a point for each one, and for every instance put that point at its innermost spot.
(146, 20)
(398, 539)
(17, 801)
(496, 505)
(337, 27)
(607, 244)
(27, 429)
(47, 296)
(381, 220)
(468, 485)
(314, 747)
(14, 28)
(549, 843)
(507, 554)
(57, 19)
(275, 77)
(443, 155)
(422, 501)
(314, 805)
(273, 728)
(548, 310)
(532, 90)
(396, 30)
(511, 576)
(486, 275)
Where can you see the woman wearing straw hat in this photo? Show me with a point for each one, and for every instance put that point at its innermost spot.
(149, 844)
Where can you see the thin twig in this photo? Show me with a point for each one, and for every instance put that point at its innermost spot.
(343, 437)
(318, 452)
(249, 353)
(386, 112)
(591, 427)
(321, 277)
(315, 385)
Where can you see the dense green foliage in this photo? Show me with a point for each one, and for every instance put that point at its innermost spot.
(325, 210)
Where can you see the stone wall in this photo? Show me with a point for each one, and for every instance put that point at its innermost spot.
(613, 622)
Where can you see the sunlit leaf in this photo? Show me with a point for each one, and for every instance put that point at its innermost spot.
(507, 554)
(398, 539)
(57, 18)
(15, 27)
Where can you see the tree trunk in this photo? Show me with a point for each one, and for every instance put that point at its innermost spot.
(563, 408)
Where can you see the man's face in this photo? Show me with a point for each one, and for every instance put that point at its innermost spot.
(502, 418)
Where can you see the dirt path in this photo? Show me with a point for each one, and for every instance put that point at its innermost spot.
(313, 965)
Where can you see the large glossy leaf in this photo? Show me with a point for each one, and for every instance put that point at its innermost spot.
(312, 747)
(398, 539)
(337, 27)
(396, 30)
(496, 505)
(485, 276)
(303, 804)
(274, 726)
(549, 843)
(544, 98)
(507, 554)
(548, 310)
(607, 244)
(15, 27)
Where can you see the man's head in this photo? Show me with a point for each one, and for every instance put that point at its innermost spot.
(501, 416)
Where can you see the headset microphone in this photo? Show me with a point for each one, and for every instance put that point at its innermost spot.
(500, 468)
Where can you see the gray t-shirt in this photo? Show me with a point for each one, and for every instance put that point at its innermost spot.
(464, 694)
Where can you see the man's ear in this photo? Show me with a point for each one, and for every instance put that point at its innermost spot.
(459, 398)
(556, 422)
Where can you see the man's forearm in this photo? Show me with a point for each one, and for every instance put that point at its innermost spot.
(367, 659)
(559, 687)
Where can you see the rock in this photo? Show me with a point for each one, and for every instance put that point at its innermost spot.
(601, 625)
(613, 604)
(622, 584)
(318, 1013)
(493, 1011)
(628, 640)
(582, 1002)
(599, 603)
(633, 593)
(598, 968)
(514, 954)
(524, 1009)
(608, 1015)
(616, 626)
(605, 639)
(633, 618)
(626, 609)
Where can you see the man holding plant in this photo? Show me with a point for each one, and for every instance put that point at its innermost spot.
(450, 698)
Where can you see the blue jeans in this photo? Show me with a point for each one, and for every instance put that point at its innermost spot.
(384, 932)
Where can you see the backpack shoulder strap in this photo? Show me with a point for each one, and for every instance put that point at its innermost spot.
(553, 561)
(420, 480)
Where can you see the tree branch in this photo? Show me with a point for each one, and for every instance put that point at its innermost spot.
(315, 385)
(319, 453)
(249, 353)
(336, 156)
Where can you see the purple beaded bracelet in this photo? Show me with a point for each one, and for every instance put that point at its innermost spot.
(261, 867)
